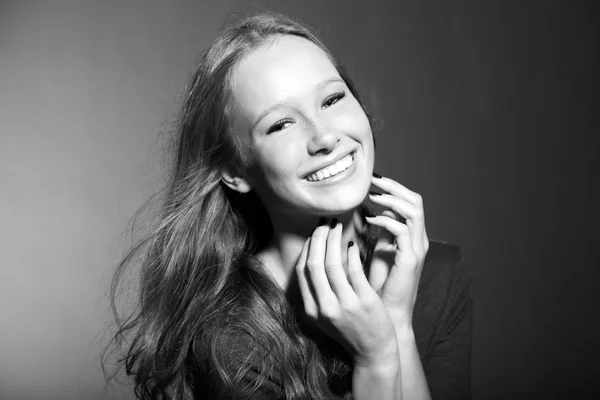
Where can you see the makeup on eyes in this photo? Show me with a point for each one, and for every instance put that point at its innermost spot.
(336, 96)
(280, 125)
(277, 126)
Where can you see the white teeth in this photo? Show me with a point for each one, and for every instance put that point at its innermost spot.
(331, 170)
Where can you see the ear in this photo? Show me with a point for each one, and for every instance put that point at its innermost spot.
(234, 180)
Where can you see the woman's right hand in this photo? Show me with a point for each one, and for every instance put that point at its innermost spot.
(346, 308)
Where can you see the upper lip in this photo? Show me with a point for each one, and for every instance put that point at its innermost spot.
(328, 162)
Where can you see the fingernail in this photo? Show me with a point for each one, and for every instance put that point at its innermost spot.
(350, 244)
(333, 223)
(376, 175)
(374, 194)
(322, 221)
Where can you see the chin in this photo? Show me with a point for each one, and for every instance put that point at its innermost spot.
(346, 197)
(342, 203)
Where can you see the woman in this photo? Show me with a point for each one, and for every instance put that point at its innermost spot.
(265, 276)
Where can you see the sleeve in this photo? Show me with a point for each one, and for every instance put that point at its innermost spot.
(448, 365)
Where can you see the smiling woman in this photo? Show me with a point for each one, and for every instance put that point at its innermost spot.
(312, 121)
(251, 283)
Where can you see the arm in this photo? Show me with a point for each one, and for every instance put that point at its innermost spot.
(414, 383)
(378, 378)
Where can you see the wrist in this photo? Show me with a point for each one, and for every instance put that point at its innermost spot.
(377, 379)
(386, 355)
(386, 366)
(401, 319)
(405, 335)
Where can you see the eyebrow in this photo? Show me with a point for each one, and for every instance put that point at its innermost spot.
(319, 86)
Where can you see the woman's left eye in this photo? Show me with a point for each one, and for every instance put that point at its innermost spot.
(331, 100)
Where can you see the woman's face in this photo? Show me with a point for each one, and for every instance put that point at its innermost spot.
(308, 140)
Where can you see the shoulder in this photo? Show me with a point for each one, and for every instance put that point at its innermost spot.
(443, 264)
(443, 251)
(443, 295)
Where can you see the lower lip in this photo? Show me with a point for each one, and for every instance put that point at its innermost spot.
(341, 176)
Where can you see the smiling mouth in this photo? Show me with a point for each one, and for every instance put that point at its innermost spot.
(332, 170)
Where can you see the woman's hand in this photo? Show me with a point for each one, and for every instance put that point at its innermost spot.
(346, 308)
(401, 245)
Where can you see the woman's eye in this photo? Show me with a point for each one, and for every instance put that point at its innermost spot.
(334, 99)
(278, 126)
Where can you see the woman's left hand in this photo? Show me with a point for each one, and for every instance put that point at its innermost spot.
(401, 249)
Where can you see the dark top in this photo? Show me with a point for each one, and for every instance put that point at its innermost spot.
(442, 323)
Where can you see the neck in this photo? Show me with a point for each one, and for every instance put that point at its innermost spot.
(289, 236)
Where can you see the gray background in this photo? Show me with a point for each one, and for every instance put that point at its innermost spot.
(488, 110)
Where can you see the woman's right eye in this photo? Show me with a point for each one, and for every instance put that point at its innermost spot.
(278, 126)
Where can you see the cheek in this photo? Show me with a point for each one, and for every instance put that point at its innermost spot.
(277, 162)
(352, 120)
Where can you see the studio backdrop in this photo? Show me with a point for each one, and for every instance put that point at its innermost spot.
(484, 108)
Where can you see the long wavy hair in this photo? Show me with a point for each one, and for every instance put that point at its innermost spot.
(201, 285)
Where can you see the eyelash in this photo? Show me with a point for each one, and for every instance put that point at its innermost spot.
(337, 97)
(279, 125)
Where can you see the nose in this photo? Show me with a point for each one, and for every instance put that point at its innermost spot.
(323, 138)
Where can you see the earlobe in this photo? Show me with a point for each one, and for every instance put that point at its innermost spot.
(235, 182)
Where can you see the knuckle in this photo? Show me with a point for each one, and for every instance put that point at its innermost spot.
(328, 312)
(403, 228)
(350, 306)
(369, 302)
(418, 213)
(418, 199)
(313, 265)
(331, 267)
(310, 311)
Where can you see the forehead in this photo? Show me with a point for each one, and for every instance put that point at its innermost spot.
(286, 68)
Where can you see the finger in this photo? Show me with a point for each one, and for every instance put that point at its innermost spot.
(356, 274)
(333, 263)
(310, 305)
(383, 256)
(385, 237)
(406, 265)
(405, 253)
(402, 207)
(398, 190)
(414, 216)
(315, 265)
